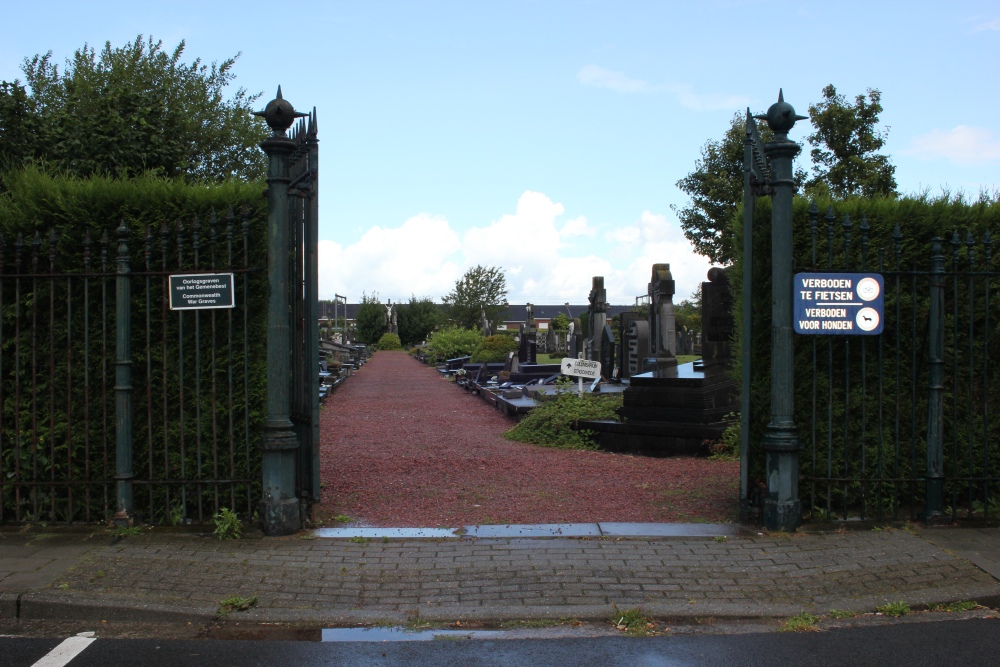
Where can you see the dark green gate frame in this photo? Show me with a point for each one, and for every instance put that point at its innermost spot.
(291, 437)
(782, 508)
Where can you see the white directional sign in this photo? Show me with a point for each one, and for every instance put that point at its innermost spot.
(581, 368)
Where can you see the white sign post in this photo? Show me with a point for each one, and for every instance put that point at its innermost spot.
(581, 368)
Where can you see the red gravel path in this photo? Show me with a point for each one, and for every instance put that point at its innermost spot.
(403, 447)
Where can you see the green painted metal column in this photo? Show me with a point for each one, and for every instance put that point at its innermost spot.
(934, 475)
(782, 507)
(124, 473)
(280, 509)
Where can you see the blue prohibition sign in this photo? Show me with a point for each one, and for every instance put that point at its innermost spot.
(839, 304)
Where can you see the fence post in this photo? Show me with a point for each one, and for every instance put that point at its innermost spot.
(782, 507)
(280, 510)
(934, 476)
(123, 382)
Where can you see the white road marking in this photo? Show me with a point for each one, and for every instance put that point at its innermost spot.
(66, 651)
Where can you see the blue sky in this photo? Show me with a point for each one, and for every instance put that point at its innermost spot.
(547, 136)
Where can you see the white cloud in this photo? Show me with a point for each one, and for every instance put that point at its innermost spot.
(415, 258)
(592, 75)
(962, 145)
(425, 256)
(988, 25)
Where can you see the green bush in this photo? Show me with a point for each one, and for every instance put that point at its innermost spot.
(389, 341)
(494, 349)
(452, 342)
(551, 422)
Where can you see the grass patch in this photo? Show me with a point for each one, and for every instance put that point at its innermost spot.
(126, 531)
(237, 603)
(551, 423)
(360, 540)
(342, 518)
(536, 623)
(961, 605)
(804, 622)
(632, 622)
(841, 613)
(895, 609)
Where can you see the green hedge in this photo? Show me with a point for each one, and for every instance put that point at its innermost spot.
(859, 438)
(62, 366)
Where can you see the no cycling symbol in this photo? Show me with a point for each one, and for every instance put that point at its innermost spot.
(839, 304)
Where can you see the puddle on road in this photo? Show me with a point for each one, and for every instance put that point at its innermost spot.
(399, 634)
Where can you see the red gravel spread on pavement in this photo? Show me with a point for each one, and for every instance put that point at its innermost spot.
(404, 447)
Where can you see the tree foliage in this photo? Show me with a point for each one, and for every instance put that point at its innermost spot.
(417, 319)
(845, 144)
(369, 319)
(845, 141)
(452, 341)
(481, 288)
(128, 110)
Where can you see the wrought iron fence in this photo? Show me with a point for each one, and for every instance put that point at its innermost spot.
(186, 402)
(898, 425)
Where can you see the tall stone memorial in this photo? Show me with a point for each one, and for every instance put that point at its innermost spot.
(717, 320)
(662, 322)
(598, 317)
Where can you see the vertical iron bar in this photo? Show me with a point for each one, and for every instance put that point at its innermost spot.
(245, 214)
(897, 237)
(880, 485)
(180, 378)
(70, 387)
(199, 476)
(125, 510)
(52, 375)
(830, 220)
(37, 241)
(813, 220)
(3, 459)
(955, 459)
(18, 479)
(987, 272)
(105, 439)
(229, 364)
(935, 389)
(312, 305)
(913, 392)
(749, 201)
(864, 382)
(164, 309)
(147, 253)
(86, 374)
(970, 246)
(847, 378)
(211, 350)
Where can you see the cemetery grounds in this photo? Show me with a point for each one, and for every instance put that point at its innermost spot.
(402, 446)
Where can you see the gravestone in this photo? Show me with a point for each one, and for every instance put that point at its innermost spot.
(527, 353)
(598, 317)
(636, 347)
(625, 321)
(717, 319)
(550, 340)
(607, 348)
(574, 339)
(662, 323)
(484, 323)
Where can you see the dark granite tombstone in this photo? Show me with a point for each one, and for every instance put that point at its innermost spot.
(636, 347)
(716, 318)
(607, 352)
(527, 354)
(550, 340)
(575, 343)
(625, 321)
(598, 317)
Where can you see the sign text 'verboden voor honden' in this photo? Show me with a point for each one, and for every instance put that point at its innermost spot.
(195, 291)
(845, 304)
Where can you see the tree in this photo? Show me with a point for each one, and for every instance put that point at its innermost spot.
(417, 319)
(846, 144)
(369, 319)
(716, 190)
(132, 109)
(559, 323)
(481, 288)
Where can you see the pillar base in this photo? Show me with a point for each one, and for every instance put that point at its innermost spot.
(280, 517)
(782, 515)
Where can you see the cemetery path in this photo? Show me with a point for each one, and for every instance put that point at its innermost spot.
(403, 447)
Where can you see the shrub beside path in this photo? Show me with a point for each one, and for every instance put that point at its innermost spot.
(403, 447)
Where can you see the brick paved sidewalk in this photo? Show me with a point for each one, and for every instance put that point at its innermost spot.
(174, 577)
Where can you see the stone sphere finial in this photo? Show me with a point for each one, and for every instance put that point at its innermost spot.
(279, 114)
(781, 116)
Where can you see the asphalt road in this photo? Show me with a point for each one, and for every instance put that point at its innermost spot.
(968, 643)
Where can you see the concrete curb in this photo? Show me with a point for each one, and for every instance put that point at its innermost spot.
(52, 606)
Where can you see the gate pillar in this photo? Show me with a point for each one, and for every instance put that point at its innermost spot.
(782, 507)
(280, 509)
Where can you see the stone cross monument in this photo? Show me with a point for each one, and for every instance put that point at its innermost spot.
(662, 323)
(598, 317)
